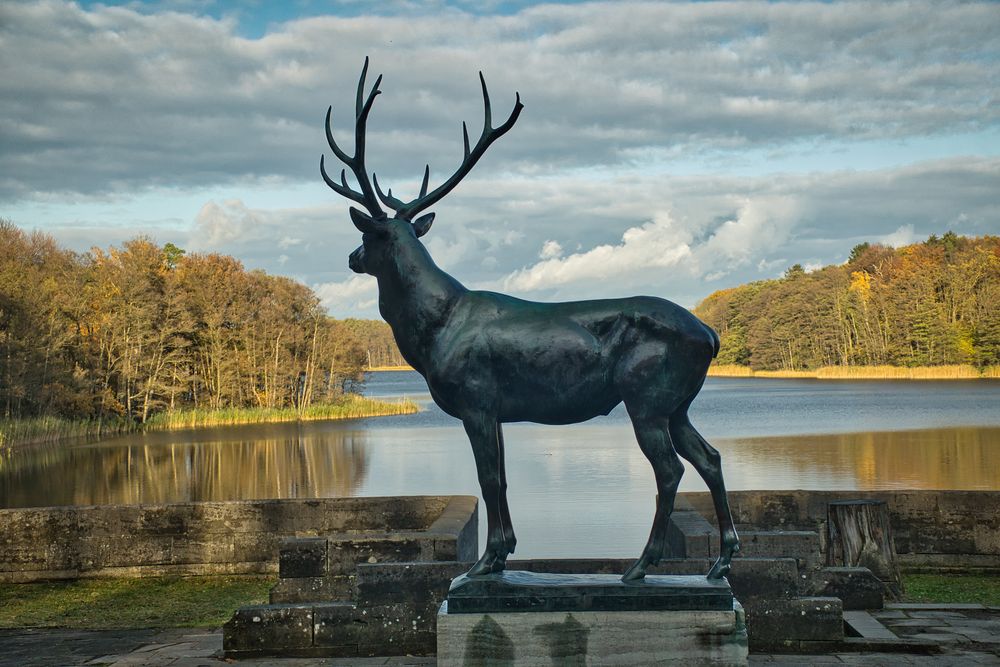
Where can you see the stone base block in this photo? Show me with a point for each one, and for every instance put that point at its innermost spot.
(782, 624)
(594, 638)
(856, 587)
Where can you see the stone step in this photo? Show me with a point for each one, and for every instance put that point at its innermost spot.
(859, 623)
(690, 535)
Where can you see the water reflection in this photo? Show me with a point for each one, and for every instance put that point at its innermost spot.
(591, 473)
(949, 458)
(209, 464)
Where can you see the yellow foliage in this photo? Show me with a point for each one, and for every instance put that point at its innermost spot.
(861, 284)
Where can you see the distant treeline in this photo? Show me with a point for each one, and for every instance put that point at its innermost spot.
(375, 337)
(926, 304)
(129, 332)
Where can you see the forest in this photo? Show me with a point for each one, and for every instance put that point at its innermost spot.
(124, 334)
(933, 303)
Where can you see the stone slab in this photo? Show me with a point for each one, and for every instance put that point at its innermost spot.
(856, 587)
(775, 624)
(546, 592)
(300, 557)
(269, 628)
(594, 638)
(863, 624)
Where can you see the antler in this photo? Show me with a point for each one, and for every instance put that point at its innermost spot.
(357, 163)
(490, 134)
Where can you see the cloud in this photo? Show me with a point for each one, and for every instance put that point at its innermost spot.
(904, 235)
(613, 231)
(356, 294)
(551, 250)
(639, 165)
(762, 224)
(109, 99)
(655, 245)
(219, 225)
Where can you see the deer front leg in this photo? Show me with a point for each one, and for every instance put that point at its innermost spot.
(505, 522)
(486, 446)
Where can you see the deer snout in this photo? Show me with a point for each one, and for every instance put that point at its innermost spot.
(357, 260)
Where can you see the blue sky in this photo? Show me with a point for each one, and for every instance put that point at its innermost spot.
(665, 148)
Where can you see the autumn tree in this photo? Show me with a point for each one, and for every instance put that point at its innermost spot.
(928, 303)
(127, 332)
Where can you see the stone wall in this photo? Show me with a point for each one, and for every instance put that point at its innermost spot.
(239, 537)
(933, 530)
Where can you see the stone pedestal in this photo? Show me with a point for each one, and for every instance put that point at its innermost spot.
(524, 618)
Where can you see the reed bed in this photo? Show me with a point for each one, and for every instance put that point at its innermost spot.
(351, 407)
(785, 373)
(384, 369)
(730, 371)
(954, 372)
(899, 373)
(36, 430)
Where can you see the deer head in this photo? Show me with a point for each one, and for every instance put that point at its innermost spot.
(382, 235)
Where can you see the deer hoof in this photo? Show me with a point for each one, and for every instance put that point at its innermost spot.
(724, 564)
(635, 573)
(719, 570)
(488, 564)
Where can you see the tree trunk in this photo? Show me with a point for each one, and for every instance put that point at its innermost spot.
(859, 535)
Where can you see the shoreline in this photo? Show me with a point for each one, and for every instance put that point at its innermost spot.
(964, 372)
(18, 433)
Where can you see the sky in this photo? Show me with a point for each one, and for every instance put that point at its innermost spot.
(665, 148)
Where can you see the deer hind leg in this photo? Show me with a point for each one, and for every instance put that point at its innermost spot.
(706, 460)
(654, 440)
(487, 446)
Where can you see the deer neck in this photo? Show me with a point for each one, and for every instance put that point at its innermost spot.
(416, 298)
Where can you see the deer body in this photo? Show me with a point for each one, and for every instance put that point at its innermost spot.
(491, 359)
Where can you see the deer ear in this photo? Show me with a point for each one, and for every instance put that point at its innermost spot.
(422, 225)
(364, 222)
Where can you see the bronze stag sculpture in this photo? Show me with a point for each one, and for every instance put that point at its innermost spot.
(489, 358)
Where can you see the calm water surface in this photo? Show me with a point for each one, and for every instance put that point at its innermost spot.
(583, 489)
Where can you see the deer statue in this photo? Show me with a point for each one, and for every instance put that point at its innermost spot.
(489, 358)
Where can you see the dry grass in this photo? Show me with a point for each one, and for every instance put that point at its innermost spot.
(730, 371)
(383, 369)
(351, 407)
(18, 432)
(35, 430)
(899, 373)
(785, 374)
(956, 372)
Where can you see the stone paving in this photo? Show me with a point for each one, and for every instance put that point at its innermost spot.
(967, 634)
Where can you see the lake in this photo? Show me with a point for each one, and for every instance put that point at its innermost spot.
(580, 490)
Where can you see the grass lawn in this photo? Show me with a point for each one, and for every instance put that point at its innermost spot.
(160, 602)
(984, 589)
